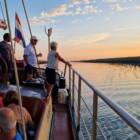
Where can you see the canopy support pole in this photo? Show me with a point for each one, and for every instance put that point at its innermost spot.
(15, 68)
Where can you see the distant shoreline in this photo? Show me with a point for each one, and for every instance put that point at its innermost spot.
(122, 60)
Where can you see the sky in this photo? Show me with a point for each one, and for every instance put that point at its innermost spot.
(84, 29)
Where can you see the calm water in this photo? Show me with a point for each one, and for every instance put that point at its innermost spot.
(120, 83)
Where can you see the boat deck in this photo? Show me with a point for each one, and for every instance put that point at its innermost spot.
(62, 129)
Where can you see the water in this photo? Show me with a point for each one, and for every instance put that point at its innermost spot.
(118, 82)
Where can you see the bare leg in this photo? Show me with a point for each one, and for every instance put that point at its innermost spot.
(49, 89)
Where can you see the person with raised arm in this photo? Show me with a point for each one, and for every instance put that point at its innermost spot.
(53, 58)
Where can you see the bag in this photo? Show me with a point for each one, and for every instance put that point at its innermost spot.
(62, 96)
(62, 82)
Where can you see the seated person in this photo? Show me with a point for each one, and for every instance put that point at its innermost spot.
(8, 125)
(11, 100)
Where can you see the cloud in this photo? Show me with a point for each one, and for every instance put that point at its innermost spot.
(65, 10)
(75, 21)
(89, 39)
(116, 5)
(48, 17)
(87, 9)
(59, 11)
(77, 2)
(125, 29)
(41, 20)
(118, 1)
(137, 7)
(100, 37)
(110, 1)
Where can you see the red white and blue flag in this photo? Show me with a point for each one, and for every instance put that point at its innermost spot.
(19, 38)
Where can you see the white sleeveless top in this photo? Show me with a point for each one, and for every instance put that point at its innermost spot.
(52, 60)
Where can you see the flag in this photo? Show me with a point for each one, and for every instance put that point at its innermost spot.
(19, 38)
(3, 24)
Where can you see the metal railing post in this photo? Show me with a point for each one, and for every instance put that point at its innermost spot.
(65, 69)
(70, 83)
(73, 84)
(79, 104)
(95, 110)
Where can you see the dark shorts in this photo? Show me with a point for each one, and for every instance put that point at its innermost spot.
(30, 70)
(50, 76)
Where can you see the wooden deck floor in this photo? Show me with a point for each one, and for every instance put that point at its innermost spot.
(62, 129)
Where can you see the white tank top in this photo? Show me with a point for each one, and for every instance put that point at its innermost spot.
(52, 60)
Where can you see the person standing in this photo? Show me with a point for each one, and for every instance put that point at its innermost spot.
(52, 65)
(6, 50)
(6, 60)
(30, 59)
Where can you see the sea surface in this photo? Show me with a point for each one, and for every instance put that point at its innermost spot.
(121, 83)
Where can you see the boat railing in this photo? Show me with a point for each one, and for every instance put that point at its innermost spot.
(75, 86)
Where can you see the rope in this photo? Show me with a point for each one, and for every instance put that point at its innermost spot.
(15, 69)
(2, 11)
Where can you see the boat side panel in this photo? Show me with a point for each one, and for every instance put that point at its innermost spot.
(43, 131)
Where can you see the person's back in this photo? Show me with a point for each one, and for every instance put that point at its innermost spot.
(6, 50)
(8, 125)
(26, 116)
(11, 101)
(52, 60)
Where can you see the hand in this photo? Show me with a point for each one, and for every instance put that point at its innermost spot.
(69, 64)
(39, 55)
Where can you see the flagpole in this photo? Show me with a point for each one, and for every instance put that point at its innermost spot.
(25, 11)
(15, 69)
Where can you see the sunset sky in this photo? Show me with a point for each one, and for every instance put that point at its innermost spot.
(84, 29)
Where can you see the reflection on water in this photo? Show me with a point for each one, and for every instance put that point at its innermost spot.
(122, 84)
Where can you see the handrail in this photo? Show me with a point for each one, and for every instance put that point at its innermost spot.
(91, 114)
(86, 105)
(128, 118)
